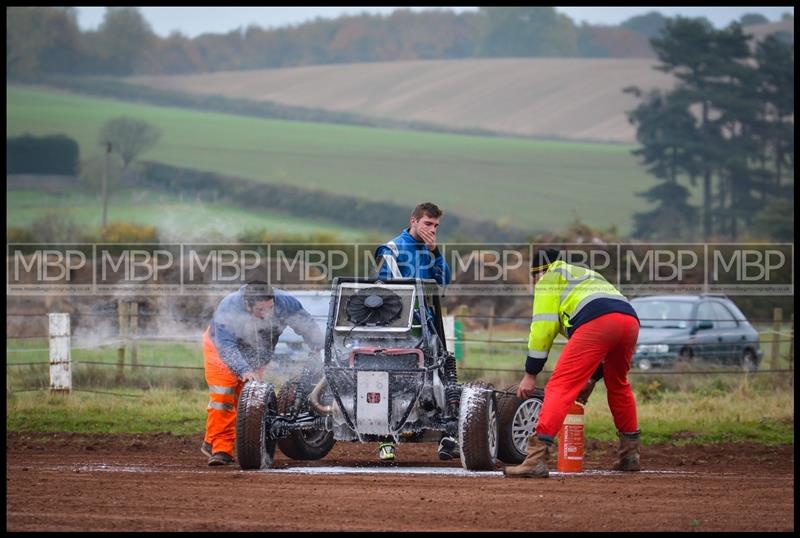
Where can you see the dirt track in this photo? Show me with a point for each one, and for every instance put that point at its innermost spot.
(69, 482)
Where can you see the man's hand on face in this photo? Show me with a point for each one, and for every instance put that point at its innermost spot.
(429, 237)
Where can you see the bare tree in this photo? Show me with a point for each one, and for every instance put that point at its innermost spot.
(128, 138)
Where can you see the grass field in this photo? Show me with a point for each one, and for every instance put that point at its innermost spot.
(534, 185)
(176, 219)
(676, 417)
(695, 408)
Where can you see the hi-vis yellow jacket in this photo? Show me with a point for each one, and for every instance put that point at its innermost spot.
(559, 296)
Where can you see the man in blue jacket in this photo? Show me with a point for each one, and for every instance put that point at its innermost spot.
(414, 254)
(237, 346)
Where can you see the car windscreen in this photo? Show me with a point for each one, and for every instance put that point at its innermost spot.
(663, 314)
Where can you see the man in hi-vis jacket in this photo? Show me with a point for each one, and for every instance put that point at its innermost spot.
(602, 329)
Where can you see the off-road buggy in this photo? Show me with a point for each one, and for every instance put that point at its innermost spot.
(385, 372)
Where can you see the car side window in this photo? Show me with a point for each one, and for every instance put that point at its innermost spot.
(705, 313)
(722, 316)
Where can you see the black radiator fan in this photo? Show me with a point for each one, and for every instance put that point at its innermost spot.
(374, 306)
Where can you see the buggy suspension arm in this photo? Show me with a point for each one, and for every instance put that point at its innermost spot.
(280, 427)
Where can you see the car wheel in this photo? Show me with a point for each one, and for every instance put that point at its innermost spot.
(749, 363)
(516, 421)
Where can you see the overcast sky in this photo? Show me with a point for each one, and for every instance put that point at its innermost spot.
(193, 21)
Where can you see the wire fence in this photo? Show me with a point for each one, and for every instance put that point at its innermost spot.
(465, 368)
(483, 341)
(42, 389)
(116, 343)
(206, 319)
(776, 336)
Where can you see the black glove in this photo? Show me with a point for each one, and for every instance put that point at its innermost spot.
(583, 396)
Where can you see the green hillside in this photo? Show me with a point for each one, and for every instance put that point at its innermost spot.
(175, 219)
(529, 184)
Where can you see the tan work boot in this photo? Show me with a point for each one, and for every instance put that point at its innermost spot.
(628, 452)
(535, 464)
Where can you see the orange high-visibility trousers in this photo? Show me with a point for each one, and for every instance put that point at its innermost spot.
(223, 394)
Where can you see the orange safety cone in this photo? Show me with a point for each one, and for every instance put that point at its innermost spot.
(570, 441)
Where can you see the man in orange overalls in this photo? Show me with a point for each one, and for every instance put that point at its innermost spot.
(237, 346)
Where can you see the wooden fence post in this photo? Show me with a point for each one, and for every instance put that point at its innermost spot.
(122, 320)
(491, 328)
(777, 317)
(134, 314)
(60, 372)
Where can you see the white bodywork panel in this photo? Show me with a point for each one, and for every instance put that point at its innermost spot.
(372, 411)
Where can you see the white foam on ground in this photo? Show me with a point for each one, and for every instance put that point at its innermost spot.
(334, 470)
(448, 471)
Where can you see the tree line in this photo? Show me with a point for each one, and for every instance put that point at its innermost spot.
(48, 40)
(727, 127)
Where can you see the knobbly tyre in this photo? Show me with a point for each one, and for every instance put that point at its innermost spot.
(386, 372)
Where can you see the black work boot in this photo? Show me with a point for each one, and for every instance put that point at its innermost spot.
(535, 464)
(220, 458)
(628, 452)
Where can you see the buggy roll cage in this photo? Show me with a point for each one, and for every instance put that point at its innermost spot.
(427, 291)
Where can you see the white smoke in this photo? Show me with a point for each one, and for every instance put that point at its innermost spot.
(207, 226)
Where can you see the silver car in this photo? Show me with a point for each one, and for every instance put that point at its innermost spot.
(708, 328)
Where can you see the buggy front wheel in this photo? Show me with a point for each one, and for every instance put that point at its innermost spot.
(254, 448)
(477, 427)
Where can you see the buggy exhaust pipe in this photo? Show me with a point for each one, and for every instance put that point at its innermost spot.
(313, 398)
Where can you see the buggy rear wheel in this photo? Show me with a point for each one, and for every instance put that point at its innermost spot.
(477, 427)
(305, 444)
(257, 403)
(517, 420)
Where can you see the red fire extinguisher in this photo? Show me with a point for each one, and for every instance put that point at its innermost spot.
(570, 441)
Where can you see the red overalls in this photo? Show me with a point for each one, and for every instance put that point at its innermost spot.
(609, 339)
